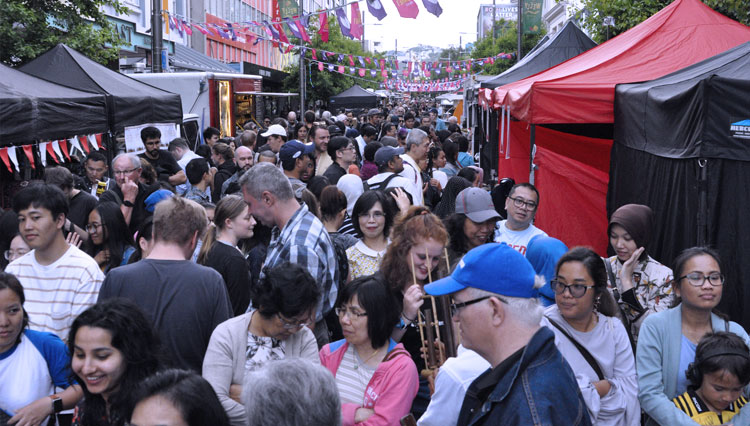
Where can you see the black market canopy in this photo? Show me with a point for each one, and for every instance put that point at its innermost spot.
(682, 147)
(570, 41)
(354, 97)
(34, 109)
(129, 102)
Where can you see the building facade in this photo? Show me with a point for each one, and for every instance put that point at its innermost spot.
(507, 11)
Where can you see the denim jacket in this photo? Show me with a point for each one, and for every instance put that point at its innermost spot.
(539, 389)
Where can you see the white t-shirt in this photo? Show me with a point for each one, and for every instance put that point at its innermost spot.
(441, 177)
(398, 181)
(186, 158)
(412, 174)
(57, 293)
(516, 239)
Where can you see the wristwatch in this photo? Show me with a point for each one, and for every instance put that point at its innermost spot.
(127, 203)
(57, 403)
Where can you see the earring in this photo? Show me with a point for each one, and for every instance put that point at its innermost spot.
(597, 302)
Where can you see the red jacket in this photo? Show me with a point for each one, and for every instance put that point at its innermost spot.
(391, 390)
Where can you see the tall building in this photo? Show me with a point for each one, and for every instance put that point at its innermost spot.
(555, 13)
(507, 11)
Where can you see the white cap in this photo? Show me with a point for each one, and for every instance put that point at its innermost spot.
(274, 129)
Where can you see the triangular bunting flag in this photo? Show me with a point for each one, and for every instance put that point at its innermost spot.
(27, 149)
(13, 157)
(63, 144)
(376, 9)
(200, 29)
(56, 148)
(361, 72)
(320, 66)
(4, 156)
(187, 28)
(314, 54)
(74, 143)
(43, 152)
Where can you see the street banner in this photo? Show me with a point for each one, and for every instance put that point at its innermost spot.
(407, 8)
(288, 8)
(376, 9)
(433, 7)
(357, 28)
(323, 31)
(532, 16)
(344, 22)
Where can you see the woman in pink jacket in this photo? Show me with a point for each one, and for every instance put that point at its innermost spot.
(376, 378)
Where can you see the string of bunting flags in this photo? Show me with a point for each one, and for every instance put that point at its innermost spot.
(298, 24)
(443, 85)
(58, 150)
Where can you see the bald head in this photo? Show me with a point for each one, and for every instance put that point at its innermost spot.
(244, 157)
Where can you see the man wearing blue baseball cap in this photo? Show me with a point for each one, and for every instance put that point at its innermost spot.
(495, 301)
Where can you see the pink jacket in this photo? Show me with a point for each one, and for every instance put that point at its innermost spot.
(391, 390)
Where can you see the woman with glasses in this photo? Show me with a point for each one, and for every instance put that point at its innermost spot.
(277, 327)
(373, 218)
(668, 339)
(18, 248)
(376, 378)
(639, 284)
(110, 242)
(592, 340)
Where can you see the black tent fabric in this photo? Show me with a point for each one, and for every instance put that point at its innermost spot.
(130, 102)
(678, 149)
(570, 41)
(699, 111)
(34, 109)
(354, 97)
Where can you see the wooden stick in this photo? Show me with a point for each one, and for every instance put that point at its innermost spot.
(413, 271)
(447, 262)
(429, 264)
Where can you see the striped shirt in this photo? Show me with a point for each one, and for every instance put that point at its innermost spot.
(352, 377)
(57, 293)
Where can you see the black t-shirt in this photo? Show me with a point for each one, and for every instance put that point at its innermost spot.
(184, 301)
(80, 206)
(165, 164)
(231, 264)
(334, 173)
(139, 213)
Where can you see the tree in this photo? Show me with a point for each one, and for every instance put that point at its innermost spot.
(505, 42)
(31, 27)
(321, 85)
(629, 13)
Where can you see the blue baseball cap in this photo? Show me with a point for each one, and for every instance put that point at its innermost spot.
(493, 267)
(294, 149)
(159, 195)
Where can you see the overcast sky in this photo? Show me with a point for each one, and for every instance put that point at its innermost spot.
(459, 16)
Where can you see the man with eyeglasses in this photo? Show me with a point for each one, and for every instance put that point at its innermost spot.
(342, 151)
(129, 193)
(521, 205)
(496, 303)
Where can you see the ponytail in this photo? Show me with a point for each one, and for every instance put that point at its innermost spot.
(209, 238)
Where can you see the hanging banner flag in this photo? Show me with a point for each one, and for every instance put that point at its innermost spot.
(201, 29)
(27, 149)
(282, 34)
(433, 7)
(357, 28)
(351, 60)
(231, 31)
(293, 28)
(314, 54)
(74, 143)
(320, 66)
(344, 22)
(341, 69)
(407, 8)
(93, 142)
(6, 160)
(361, 61)
(302, 31)
(288, 8)
(376, 9)
(51, 151)
(63, 144)
(532, 16)
(187, 28)
(43, 152)
(323, 31)
(56, 148)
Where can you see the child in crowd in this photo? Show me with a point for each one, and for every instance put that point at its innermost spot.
(717, 377)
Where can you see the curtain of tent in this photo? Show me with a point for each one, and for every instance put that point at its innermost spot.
(672, 188)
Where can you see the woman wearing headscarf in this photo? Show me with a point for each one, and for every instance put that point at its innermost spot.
(639, 284)
(447, 204)
(543, 254)
(351, 186)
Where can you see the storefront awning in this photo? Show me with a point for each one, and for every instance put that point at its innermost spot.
(276, 94)
(189, 59)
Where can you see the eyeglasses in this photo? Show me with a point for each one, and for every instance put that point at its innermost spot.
(288, 325)
(575, 290)
(93, 227)
(373, 215)
(696, 279)
(349, 311)
(455, 307)
(520, 202)
(14, 254)
(125, 172)
(348, 148)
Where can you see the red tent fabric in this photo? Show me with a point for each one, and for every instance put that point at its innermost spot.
(582, 89)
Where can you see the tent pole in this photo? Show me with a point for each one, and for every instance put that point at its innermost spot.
(702, 202)
(532, 140)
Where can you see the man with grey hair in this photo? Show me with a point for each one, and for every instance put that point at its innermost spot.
(495, 301)
(417, 145)
(297, 236)
(291, 392)
(129, 193)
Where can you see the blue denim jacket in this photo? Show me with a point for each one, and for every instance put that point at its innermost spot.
(539, 389)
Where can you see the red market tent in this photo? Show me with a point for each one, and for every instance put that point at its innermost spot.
(571, 171)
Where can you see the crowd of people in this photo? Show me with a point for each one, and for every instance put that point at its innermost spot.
(287, 276)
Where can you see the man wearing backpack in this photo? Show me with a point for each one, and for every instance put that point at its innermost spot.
(389, 165)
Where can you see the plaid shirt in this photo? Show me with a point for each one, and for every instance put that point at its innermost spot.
(306, 242)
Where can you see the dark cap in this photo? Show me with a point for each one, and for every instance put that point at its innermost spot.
(294, 149)
(386, 154)
(374, 111)
(334, 130)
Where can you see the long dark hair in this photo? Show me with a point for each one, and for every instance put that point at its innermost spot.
(115, 232)
(135, 338)
(595, 267)
(454, 224)
(10, 282)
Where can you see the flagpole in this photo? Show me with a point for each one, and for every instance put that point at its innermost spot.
(156, 39)
(301, 73)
